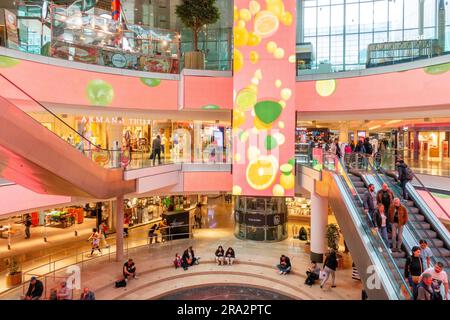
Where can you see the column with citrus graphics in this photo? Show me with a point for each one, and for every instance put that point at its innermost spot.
(264, 106)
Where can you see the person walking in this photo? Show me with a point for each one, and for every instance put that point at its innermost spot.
(28, 224)
(370, 201)
(398, 216)
(385, 196)
(414, 268)
(198, 216)
(126, 225)
(329, 267)
(103, 228)
(425, 253)
(95, 238)
(156, 149)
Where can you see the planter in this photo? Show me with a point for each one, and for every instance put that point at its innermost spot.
(13, 280)
(194, 60)
(340, 260)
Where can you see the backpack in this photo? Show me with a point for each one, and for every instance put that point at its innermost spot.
(369, 148)
(121, 283)
(416, 292)
(409, 175)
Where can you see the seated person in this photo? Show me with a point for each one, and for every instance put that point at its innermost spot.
(178, 261)
(312, 273)
(220, 253)
(189, 258)
(35, 289)
(64, 293)
(285, 265)
(129, 269)
(230, 256)
(87, 294)
(53, 294)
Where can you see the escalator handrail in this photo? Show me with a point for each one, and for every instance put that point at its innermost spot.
(54, 115)
(380, 240)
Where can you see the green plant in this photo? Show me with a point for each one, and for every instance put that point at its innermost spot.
(333, 236)
(196, 13)
(12, 265)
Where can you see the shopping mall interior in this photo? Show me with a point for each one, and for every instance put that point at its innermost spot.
(259, 129)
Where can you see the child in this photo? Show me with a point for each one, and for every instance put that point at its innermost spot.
(177, 261)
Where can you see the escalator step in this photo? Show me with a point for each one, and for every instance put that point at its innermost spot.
(414, 210)
(441, 252)
(398, 255)
(422, 225)
(435, 243)
(417, 217)
(427, 234)
(361, 190)
(400, 262)
(359, 184)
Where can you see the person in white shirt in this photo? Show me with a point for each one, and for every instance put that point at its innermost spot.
(439, 277)
(425, 252)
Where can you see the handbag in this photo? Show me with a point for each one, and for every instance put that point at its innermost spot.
(415, 279)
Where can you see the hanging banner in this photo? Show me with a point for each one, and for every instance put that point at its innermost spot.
(264, 106)
(115, 9)
(12, 34)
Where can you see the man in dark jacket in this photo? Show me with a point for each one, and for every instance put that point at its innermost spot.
(369, 201)
(87, 294)
(28, 224)
(385, 196)
(398, 216)
(402, 176)
(156, 149)
(35, 289)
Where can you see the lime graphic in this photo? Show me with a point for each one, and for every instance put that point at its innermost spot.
(99, 92)
(278, 190)
(325, 88)
(286, 168)
(268, 111)
(266, 24)
(151, 82)
(438, 69)
(246, 99)
(211, 107)
(7, 62)
(270, 143)
(292, 162)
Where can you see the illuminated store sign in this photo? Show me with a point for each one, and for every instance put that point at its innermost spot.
(264, 102)
(116, 120)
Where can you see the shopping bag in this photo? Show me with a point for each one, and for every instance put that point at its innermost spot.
(322, 275)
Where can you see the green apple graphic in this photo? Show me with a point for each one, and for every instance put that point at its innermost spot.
(99, 92)
(7, 62)
(151, 82)
(211, 107)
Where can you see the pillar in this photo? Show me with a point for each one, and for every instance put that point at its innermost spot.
(343, 132)
(319, 221)
(119, 229)
(416, 145)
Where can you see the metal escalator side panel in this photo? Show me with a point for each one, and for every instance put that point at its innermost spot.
(436, 224)
(53, 164)
(380, 287)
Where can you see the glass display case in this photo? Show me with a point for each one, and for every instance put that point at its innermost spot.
(260, 218)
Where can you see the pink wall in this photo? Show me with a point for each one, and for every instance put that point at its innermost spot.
(412, 88)
(15, 198)
(48, 83)
(207, 181)
(203, 91)
(444, 202)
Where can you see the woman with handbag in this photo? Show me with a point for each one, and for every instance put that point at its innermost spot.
(414, 268)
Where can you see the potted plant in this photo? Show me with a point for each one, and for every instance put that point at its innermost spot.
(14, 275)
(333, 236)
(195, 14)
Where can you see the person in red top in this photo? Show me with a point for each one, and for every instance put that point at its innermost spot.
(126, 224)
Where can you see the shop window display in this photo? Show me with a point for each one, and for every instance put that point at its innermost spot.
(298, 208)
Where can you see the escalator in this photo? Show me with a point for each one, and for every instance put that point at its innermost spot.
(33, 156)
(380, 275)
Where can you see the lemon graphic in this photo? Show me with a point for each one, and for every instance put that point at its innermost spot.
(276, 7)
(245, 14)
(286, 18)
(236, 14)
(278, 190)
(254, 57)
(238, 118)
(271, 46)
(246, 99)
(287, 179)
(240, 36)
(278, 53)
(253, 39)
(261, 172)
(254, 7)
(437, 69)
(238, 61)
(7, 62)
(266, 24)
(325, 88)
(237, 190)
